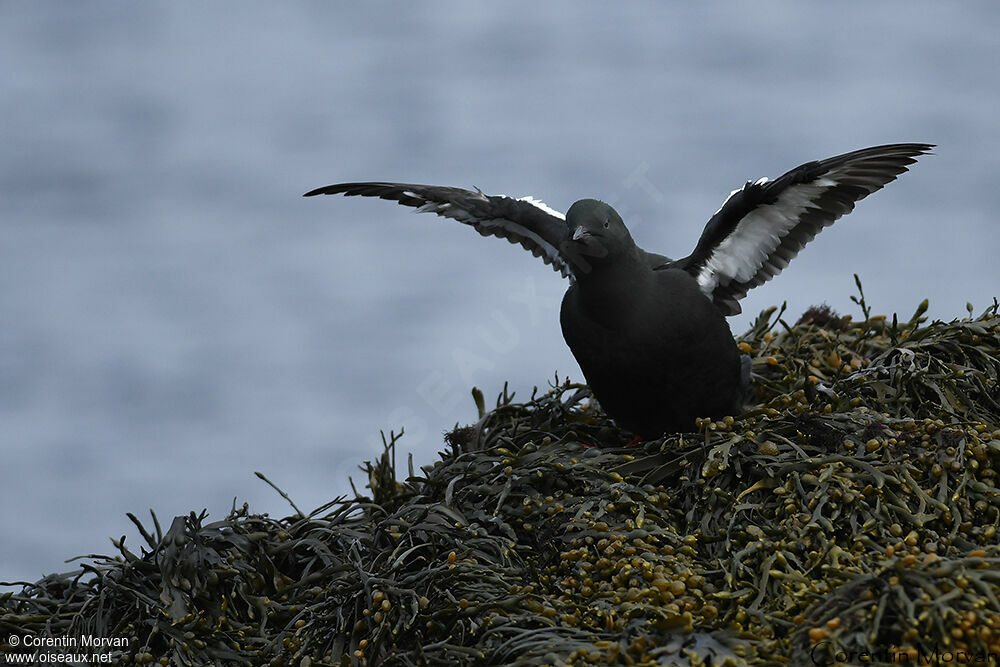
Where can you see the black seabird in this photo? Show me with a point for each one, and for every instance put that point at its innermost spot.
(650, 333)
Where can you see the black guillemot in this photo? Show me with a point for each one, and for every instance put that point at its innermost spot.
(650, 333)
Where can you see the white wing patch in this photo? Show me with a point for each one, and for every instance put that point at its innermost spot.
(538, 203)
(741, 254)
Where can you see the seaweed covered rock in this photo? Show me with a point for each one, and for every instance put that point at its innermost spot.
(850, 516)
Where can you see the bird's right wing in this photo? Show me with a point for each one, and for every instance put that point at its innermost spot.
(526, 221)
(764, 224)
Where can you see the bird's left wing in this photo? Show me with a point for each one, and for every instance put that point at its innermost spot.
(763, 225)
(525, 221)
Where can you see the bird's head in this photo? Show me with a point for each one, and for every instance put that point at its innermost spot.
(595, 235)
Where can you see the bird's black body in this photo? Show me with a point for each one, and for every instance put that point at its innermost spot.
(657, 356)
(654, 349)
(650, 333)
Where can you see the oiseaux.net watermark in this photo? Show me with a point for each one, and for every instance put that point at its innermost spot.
(27, 649)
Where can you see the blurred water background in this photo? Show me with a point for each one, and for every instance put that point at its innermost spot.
(174, 316)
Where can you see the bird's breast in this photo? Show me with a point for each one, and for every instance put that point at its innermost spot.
(655, 322)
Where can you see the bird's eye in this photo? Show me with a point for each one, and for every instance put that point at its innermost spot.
(606, 224)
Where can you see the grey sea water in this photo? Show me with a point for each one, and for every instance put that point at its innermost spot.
(174, 316)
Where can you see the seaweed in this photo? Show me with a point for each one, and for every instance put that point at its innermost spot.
(850, 515)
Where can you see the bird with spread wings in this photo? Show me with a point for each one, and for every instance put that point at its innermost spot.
(650, 332)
